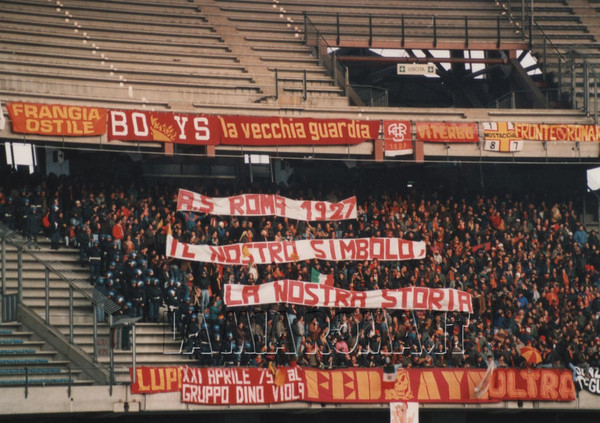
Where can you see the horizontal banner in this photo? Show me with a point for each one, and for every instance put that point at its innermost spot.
(253, 130)
(57, 119)
(241, 386)
(167, 127)
(588, 379)
(266, 205)
(501, 137)
(319, 295)
(383, 249)
(153, 380)
(397, 137)
(447, 132)
(560, 132)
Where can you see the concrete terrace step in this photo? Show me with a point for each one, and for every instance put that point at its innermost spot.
(191, 34)
(84, 20)
(104, 42)
(172, 65)
(121, 51)
(87, 8)
(134, 74)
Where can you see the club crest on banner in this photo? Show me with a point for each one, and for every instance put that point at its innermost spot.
(501, 137)
(397, 136)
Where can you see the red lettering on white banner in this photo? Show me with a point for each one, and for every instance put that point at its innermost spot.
(267, 205)
(383, 249)
(320, 295)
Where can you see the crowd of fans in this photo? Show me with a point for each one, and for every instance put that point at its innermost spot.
(531, 266)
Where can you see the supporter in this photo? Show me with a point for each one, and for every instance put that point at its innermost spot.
(532, 269)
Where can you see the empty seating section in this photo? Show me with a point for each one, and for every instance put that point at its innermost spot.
(570, 26)
(24, 358)
(99, 49)
(380, 20)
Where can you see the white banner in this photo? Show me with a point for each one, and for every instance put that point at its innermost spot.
(587, 379)
(266, 205)
(404, 412)
(382, 249)
(2, 119)
(318, 295)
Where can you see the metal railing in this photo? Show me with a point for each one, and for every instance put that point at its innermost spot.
(372, 96)
(433, 28)
(328, 59)
(562, 68)
(51, 265)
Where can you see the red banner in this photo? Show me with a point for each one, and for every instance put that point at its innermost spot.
(251, 130)
(266, 205)
(154, 380)
(397, 136)
(57, 119)
(239, 385)
(447, 132)
(180, 128)
(561, 132)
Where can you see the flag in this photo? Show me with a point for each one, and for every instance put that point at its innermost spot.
(318, 277)
(486, 247)
(280, 376)
(2, 119)
(481, 390)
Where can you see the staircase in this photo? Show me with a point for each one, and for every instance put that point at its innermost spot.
(155, 343)
(26, 360)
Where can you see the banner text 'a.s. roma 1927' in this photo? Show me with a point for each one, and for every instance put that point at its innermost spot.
(266, 205)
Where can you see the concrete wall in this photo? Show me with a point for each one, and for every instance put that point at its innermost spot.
(97, 399)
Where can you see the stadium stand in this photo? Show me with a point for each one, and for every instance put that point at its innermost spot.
(88, 51)
(91, 294)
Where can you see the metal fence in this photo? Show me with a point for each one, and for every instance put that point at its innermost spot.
(328, 59)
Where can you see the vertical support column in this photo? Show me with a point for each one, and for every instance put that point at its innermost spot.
(133, 357)
(498, 30)
(466, 31)
(3, 267)
(95, 321)
(337, 26)
(47, 286)
(523, 19)
(595, 97)
(111, 376)
(370, 30)
(434, 31)
(276, 85)
(403, 33)
(559, 96)
(544, 60)
(20, 274)
(573, 91)
(304, 88)
(71, 314)
(586, 88)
